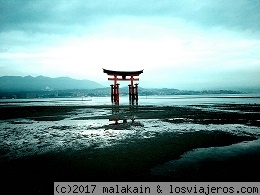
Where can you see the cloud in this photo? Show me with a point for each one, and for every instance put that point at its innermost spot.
(69, 16)
(165, 49)
(241, 15)
(183, 44)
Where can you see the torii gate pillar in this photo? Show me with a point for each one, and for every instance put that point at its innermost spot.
(124, 76)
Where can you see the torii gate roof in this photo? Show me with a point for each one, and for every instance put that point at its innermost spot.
(123, 73)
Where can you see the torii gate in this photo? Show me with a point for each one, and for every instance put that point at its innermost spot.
(123, 76)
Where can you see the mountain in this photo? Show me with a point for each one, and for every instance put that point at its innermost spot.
(45, 87)
(41, 83)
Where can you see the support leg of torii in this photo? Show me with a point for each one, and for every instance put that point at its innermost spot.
(133, 93)
(129, 92)
(115, 91)
(117, 94)
(132, 89)
(136, 93)
(112, 93)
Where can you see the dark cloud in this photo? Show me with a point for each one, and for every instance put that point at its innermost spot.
(44, 16)
(62, 16)
(238, 14)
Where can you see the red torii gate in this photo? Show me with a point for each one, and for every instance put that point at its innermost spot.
(123, 76)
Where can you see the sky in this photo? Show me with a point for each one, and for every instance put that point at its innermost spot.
(185, 44)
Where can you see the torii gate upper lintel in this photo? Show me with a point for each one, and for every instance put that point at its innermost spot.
(123, 76)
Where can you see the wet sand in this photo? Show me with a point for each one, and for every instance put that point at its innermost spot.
(160, 144)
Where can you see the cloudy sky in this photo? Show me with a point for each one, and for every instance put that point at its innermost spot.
(185, 44)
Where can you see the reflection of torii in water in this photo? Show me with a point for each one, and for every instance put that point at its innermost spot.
(124, 76)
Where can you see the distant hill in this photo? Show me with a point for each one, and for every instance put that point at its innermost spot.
(45, 87)
(41, 83)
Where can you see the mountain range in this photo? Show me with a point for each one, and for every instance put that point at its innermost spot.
(46, 87)
(41, 83)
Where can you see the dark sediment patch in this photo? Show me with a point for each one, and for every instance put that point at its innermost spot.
(239, 107)
(191, 114)
(35, 112)
(131, 160)
(48, 118)
(202, 114)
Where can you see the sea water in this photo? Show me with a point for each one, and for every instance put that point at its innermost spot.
(22, 137)
(166, 100)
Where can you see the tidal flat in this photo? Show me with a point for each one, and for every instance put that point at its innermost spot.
(199, 142)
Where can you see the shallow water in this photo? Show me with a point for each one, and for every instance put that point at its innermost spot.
(88, 128)
(143, 100)
(24, 137)
(194, 160)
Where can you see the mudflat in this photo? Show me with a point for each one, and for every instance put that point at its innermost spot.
(43, 144)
